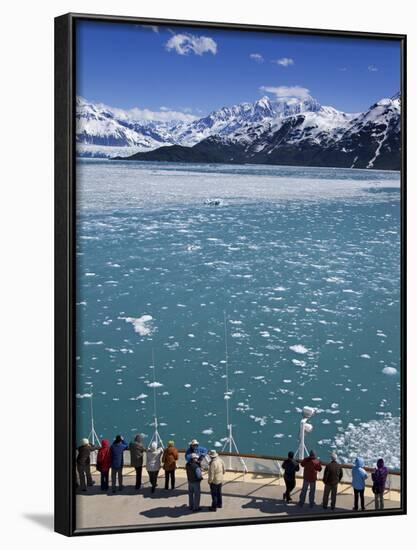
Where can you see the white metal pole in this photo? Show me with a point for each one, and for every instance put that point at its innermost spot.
(156, 437)
(227, 396)
(302, 445)
(230, 446)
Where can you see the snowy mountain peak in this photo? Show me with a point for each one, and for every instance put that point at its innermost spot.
(260, 128)
(263, 103)
(289, 106)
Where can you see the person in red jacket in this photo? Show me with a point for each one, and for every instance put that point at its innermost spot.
(104, 463)
(311, 466)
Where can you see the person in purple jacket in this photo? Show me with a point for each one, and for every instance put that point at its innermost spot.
(379, 477)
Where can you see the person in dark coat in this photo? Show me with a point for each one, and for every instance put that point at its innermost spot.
(332, 476)
(290, 467)
(311, 467)
(194, 477)
(83, 464)
(117, 449)
(169, 460)
(104, 464)
(379, 478)
(136, 458)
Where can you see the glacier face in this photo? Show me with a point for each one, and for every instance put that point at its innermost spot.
(292, 131)
(100, 125)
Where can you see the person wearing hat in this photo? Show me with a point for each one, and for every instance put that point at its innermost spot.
(117, 449)
(216, 471)
(311, 466)
(332, 476)
(194, 477)
(195, 448)
(169, 460)
(290, 467)
(83, 463)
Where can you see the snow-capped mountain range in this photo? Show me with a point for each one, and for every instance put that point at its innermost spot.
(289, 131)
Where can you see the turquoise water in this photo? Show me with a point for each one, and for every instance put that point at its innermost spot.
(305, 263)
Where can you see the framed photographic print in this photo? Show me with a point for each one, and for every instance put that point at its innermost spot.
(230, 274)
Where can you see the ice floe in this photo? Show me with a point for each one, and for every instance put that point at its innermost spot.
(142, 325)
(391, 371)
(371, 440)
(155, 385)
(299, 348)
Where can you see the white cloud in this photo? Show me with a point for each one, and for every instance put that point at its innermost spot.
(185, 44)
(257, 57)
(284, 61)
(372, 68)
(139, 115)
(287, 91)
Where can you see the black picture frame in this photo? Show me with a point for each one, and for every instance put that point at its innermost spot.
(65, 281)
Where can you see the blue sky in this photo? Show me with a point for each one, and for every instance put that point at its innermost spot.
(196, 70)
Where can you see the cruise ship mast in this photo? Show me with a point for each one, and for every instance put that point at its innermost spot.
(305, 427)
(229, 443)
(92, 436)
(155, 437)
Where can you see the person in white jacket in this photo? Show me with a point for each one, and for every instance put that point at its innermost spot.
(216, 471)
(153, 463)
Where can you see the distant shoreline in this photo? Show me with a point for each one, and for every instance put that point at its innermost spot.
(167, 162)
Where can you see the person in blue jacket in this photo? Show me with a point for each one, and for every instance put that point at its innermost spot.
(358, 482)
(195, 448)
(117, 449)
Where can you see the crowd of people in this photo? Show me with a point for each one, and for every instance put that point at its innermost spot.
(110, 458)
(332, 476)
(199, 459)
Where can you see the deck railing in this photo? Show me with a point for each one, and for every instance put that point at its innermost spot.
(269, 465)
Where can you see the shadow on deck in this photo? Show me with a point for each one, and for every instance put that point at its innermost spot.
(256, 497)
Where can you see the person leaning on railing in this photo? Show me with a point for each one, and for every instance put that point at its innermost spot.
(379, 478)
(117, 449)
(104, 464)
(136, 458)
(359, 476)
(169, 461)
(290, 467)
(153, 463)
(332, 476)
(83, 463)
(311, 466)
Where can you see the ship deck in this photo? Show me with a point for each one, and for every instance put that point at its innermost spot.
(249, 496)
